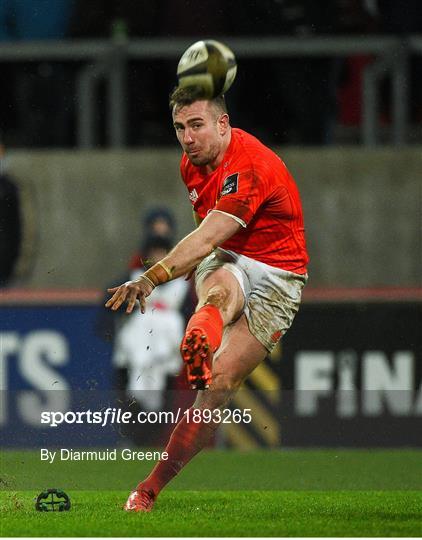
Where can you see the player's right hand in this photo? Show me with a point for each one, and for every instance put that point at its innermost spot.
(129, 292)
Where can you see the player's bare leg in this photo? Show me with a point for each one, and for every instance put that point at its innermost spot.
(237, 357)
(239, 354)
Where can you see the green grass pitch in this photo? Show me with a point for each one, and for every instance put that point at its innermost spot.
(225, 493)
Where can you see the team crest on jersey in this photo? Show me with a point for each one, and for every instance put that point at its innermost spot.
(193, 195)
(230, 184)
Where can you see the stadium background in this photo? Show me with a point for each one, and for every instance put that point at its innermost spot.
(88, 164)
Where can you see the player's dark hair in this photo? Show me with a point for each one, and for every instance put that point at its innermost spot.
(182, 96)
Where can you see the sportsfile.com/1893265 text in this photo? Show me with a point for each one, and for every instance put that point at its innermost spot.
(112, 415)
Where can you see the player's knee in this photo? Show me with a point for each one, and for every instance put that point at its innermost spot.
(219, 296)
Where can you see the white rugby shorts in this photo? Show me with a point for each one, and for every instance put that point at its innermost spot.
(272, 295)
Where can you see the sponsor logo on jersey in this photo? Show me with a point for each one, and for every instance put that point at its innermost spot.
(230, 184)
(193, 195)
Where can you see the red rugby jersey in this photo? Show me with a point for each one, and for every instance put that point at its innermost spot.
(253, 184)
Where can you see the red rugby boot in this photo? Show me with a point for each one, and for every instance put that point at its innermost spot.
(140, 500)
(197, 355)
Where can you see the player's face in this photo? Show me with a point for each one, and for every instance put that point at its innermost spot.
(200, 131)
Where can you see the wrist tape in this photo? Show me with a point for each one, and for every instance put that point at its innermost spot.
(159, 273)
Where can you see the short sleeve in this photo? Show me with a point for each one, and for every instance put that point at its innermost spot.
(242, 195)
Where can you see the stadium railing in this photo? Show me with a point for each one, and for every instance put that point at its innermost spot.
(107, 59)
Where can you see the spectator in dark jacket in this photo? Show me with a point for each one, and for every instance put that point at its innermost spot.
(10, 223)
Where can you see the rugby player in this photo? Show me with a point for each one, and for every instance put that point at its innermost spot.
(250, 258)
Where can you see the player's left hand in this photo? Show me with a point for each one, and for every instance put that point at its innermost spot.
(129, 291)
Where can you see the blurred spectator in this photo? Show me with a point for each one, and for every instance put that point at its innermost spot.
(10, 222)
(146, 347)
(40, 91)
(157, 222)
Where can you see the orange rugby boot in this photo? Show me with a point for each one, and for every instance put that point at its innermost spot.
(197, 355)
(140, 500)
